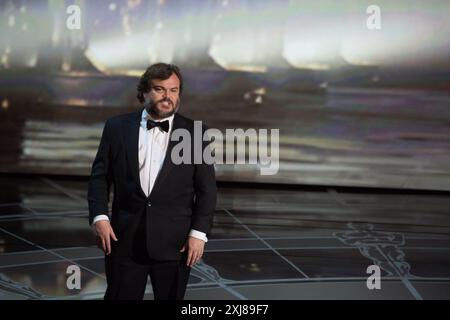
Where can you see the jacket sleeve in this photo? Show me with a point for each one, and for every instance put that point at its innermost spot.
(100, 179)
(205, 195)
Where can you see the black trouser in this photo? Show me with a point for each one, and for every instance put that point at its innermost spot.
(127, 278)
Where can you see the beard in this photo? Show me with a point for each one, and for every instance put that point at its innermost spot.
(156, 111)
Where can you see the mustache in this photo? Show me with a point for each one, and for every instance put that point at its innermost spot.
(165, 100)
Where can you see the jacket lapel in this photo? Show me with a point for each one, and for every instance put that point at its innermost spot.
(167, 163)
(131, 139)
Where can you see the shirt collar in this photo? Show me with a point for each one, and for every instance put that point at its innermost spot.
(146, 116)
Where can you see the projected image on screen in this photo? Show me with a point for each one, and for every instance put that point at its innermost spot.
(359, 93)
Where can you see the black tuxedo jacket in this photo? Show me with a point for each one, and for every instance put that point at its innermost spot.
(183, 196)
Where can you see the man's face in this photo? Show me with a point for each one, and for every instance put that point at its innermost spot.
(163, 99)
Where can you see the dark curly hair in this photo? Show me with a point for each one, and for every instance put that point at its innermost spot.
(160, 71)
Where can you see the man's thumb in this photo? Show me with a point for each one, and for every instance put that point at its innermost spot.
(184, 248)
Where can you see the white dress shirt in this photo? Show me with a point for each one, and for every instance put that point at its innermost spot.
(152, 150)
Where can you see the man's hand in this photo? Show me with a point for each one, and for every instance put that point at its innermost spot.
(195, 250)
(104, 235)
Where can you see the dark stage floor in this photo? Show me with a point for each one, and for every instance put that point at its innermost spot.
(266, 244)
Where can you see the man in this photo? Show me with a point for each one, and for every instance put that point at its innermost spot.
(162, 212)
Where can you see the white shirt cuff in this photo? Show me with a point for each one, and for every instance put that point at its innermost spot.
(99, 218)
(198, 234)
(193, 233)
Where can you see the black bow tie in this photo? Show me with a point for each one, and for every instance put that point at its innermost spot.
(164, 125)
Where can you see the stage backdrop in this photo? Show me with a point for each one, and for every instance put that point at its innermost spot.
(359, 90)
